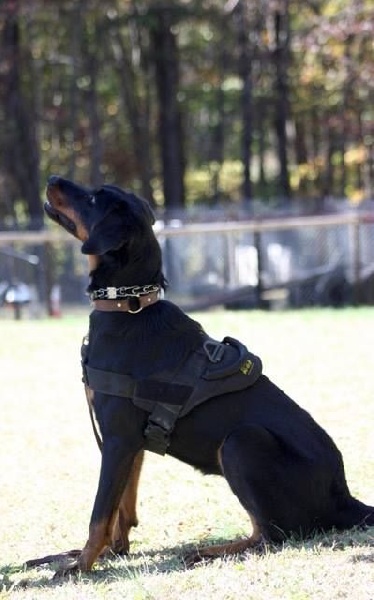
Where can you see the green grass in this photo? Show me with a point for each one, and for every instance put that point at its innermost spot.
(50, 463)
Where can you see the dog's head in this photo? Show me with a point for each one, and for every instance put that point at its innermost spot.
(112, 224)
(102, 219)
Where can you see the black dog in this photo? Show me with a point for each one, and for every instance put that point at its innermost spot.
(144, 363)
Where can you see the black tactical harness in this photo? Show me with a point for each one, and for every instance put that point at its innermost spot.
(213, 369)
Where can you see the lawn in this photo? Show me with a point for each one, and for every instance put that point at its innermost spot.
(50, 462)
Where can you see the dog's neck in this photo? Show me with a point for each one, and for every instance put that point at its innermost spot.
(112, 271)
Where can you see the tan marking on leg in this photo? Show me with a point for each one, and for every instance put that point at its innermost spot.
(101, 535)
(98, 540)
(127, 517)
(113, 532)
(230, 548)
(219, 456)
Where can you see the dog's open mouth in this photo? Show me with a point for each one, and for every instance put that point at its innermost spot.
(60, 218)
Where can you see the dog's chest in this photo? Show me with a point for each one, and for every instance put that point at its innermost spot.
(168, 393)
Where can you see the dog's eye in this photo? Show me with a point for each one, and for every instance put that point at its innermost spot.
(92, 200)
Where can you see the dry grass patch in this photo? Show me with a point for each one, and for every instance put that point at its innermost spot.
(49, 469)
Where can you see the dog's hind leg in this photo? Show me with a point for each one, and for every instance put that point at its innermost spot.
(242, 453)
(254, 541)
(270, 484)
(127, 517)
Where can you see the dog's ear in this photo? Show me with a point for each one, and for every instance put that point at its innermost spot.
(149, 214)
(128, 213)
(107, 234)
(140, 206)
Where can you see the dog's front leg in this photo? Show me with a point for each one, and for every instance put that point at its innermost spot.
(127, 516)
(117, 466)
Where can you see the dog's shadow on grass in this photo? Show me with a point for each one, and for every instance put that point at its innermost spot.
(18, 577)
(167, 560)
(138, 563)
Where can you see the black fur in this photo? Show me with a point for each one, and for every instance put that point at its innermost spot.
(283, 467)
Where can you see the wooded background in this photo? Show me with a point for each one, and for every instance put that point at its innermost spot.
(188, 102)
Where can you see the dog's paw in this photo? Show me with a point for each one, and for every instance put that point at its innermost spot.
(208, 553)
(51, 558)
(192, 559)
(119, 547)
(67, 570)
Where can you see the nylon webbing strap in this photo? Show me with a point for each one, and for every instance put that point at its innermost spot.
(162, 419)
(115, 384)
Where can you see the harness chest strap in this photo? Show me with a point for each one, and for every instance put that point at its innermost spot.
(162, 418)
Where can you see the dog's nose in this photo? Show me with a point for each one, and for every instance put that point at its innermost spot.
(53, 180)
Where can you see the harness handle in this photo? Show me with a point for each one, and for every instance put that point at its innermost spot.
(161, 423)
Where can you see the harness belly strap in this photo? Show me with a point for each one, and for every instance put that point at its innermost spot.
(214, 369)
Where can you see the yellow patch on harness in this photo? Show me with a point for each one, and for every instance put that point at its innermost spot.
(246, 367)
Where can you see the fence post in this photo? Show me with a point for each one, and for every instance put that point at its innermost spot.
(356, 224)
(230, 246)
(260, 263)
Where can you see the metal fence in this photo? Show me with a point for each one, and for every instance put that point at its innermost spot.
(280, 262)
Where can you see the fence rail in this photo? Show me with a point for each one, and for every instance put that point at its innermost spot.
(255, 225)
(319, 259)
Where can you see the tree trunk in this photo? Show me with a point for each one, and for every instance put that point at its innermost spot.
(217, 152)
(76, 31)
(262, 183)
(281, 60)
(91, 43)
(21, 156)
(96, 146)
(137, 114)
(328, 177)
(245, 73)
(166, 60)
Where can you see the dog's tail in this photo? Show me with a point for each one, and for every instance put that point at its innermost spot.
(349, 512)
(356, 514)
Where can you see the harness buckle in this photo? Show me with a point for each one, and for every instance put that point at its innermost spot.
(214, 350)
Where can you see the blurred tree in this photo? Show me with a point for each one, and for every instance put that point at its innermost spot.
(279, 24)
(164, 45)
(243, 27)
(187, 101)
(130, 47)
(19, 128)
(91, 37)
